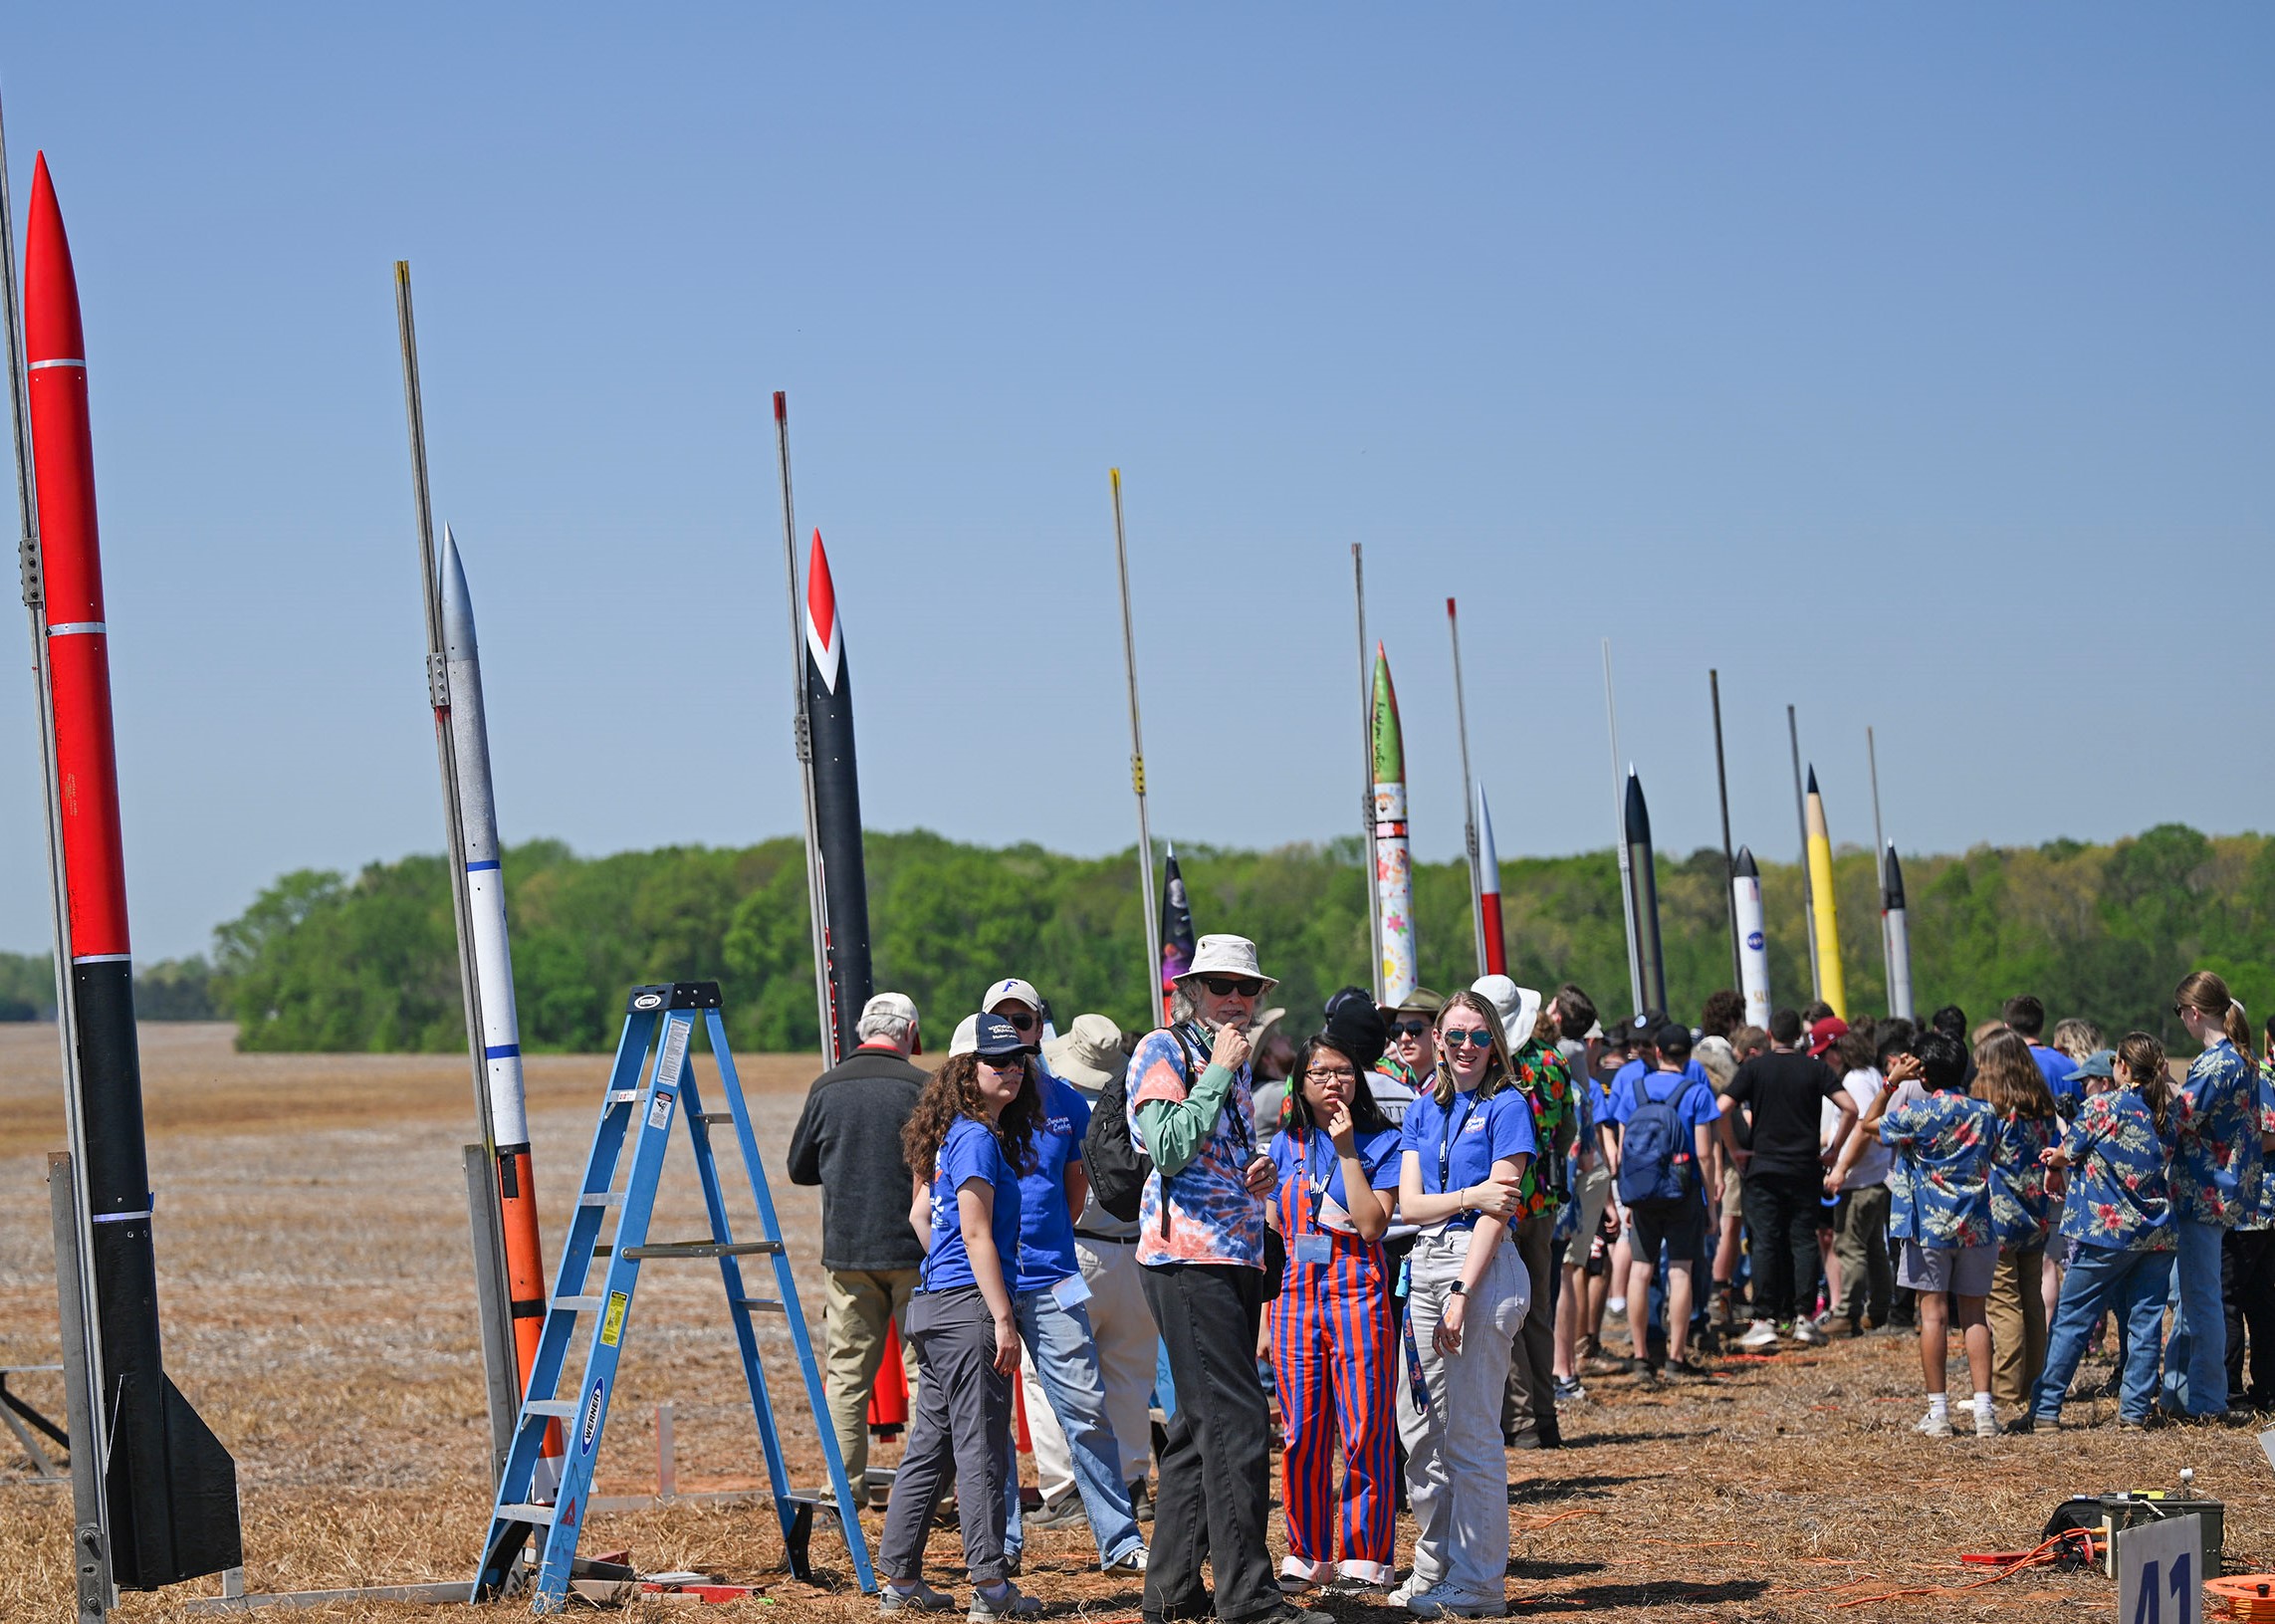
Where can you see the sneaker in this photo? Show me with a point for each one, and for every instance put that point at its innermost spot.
(2134, 1422)
(1008, 1602)
(1439, 1601)
(1933, 1425)
(1570, 1390)
(1646, 1377)
(2026, 1422)
(918, 1598)
(1131, 1561)
(1063, 1512)
(1292, 1614)
(1615, 1307)
(1687, 1368)
(1761, 1338)
(1986, 1422)
(1807, 1334)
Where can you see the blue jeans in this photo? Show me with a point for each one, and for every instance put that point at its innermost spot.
(1066, 1363)
(2195, 1354)
(2098, 1279)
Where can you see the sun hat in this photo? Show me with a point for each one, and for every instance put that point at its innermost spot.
(1087, 1053)
(1422, 1001)
(967, 1038)
(1013, 986)
(1825, 1034)
(1226, 956)
(1517, 1007)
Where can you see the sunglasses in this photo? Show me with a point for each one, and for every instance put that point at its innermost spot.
(1464, 1037)
(1221, 986)
(1013, 1062)
(1021, 1022)
(1408, 1029)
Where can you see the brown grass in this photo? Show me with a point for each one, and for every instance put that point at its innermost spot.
(318, 1310)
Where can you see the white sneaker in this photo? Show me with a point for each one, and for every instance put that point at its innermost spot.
(1439, 1601)
(1407, 1589)
(1761, 1337)
(1616, 1308)
(1986, 1422)
(892, 1599)
(1934, 1425)
(1132, 1560)
(1807, 1334)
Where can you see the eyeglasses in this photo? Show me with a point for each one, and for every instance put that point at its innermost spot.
(1340, 1075)
(1025, 1023)
(2181, 1010)
(1408, 1029)
(1220, 986)
(1463, 1037)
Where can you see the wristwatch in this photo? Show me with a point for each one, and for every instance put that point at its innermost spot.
(1457, 1290)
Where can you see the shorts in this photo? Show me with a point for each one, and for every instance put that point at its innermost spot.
(1733, 1192)
(1595, 1189)
(1966, 1271)
(1681, 1228)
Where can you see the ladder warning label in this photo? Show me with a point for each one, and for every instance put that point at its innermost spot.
(674, 1053)
(613, 1322)
(659, 1109)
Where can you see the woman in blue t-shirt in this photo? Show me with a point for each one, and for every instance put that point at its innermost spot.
(967, 1142)
(1334, 1348)
(1464, 1148)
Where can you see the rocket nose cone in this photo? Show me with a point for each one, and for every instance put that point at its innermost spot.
(1638, 815)
(1743, 865)
(1892, 885)
(821, 593)
(1812, 778)
(51, 287)
(457, 603)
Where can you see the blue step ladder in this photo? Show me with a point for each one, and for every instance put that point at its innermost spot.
(659, 1020)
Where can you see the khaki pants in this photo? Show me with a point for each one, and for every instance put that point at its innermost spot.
(1529, 1402)
(1860, 1242)
(860, 1303)
(2017, 1315)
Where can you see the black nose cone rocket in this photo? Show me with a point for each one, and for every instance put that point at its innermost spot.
(1645, 881)
(836, 807)
(170, 1488)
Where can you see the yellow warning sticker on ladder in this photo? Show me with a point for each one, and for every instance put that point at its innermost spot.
(612, 1322)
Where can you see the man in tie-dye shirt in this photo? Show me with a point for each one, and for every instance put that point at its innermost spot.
(1201, 1245)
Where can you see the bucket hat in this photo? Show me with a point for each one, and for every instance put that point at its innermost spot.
(1088, 1054)
(1226, 956)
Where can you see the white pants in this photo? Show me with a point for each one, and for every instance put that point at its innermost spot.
(1457, 1478)
(1123, 1329)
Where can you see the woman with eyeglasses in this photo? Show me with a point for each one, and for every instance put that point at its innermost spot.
(2216, 1166)
(1463, 1150)
(970, 1134)
(1334, 1349)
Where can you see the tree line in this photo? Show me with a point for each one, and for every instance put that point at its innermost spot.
(323, 961)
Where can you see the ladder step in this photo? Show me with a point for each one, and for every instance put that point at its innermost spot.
(559, 1409)
(709, 1118)
(703, 1249)
(537, 1515)
(607, 1197)
(622, 1096)
(765, 1304)
(574, 1304)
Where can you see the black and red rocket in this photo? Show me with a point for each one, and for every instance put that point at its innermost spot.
(836, 779)
(169, 1486)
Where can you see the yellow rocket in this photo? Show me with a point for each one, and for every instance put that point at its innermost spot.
(1823, 925)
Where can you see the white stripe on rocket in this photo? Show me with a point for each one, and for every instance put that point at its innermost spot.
(827, 649)
(1489, 860)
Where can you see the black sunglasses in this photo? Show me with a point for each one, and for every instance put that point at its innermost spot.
(1023, 1023)
(1220, 986)
(1408, 1029)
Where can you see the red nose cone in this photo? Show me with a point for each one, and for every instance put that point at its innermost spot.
(51, 288)
(820, 595)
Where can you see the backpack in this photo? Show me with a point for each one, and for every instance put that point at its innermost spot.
(1656, 1166)
(1117, 1168)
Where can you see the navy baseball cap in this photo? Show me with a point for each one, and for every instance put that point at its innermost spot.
(994, 1037)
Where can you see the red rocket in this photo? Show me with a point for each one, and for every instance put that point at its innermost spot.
(170, 1487)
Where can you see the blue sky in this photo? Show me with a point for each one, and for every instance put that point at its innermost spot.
(1910, 367)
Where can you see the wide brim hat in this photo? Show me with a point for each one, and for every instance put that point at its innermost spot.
(1226, 956)
(1087, 1053)
(1517, 1007)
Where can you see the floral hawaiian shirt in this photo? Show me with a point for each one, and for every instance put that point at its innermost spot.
(2117, 1196)
(2262, 1214)
(2215, 1151)
(1942, 1177)
(2021, 1208)
(1543, 1078)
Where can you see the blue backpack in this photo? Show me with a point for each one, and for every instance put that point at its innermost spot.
(1656, 1166)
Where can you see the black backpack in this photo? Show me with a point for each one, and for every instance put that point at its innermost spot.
(1117, 1168)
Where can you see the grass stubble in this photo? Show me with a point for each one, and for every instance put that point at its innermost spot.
(312, 1252)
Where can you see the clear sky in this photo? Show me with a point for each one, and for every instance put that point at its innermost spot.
(1912, 366)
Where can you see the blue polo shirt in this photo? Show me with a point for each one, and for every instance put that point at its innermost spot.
(1481, 1133)
(2060, 1071)
(1045, 1227)
(1693, 1098)
(1316, 1167)
(971, 1151)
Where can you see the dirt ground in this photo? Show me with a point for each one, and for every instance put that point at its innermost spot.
(312, 1255)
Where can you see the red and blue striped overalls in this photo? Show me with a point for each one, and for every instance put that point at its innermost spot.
(1334, 1353)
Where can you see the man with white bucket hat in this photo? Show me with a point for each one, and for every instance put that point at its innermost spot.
(1200, 1252)
(1528, 1412)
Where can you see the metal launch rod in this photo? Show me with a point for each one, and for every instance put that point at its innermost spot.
(817, 893)
(1137, 763)
(90, 1429)
(1468, 794)
(1367, 772)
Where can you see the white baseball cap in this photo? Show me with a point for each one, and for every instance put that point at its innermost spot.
(1013, 986)
(967, 1038)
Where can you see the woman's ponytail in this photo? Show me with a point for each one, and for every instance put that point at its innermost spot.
(2143, 1058)
(2207, 994)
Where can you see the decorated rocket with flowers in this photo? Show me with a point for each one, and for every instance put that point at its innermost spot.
(1394, 859)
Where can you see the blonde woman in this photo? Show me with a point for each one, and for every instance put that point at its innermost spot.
(1465, 1147)
(2022, 1213)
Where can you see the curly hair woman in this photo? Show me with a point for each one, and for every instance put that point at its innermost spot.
(967, 1142)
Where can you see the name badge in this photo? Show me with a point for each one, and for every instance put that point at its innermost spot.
(1072, 1293)
(1314, 1248)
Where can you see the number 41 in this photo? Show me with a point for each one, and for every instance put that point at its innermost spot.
(2149, 1609)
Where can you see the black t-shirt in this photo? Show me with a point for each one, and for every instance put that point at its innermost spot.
(1784, 1091)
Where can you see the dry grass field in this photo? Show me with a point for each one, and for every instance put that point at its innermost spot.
(317, 1311)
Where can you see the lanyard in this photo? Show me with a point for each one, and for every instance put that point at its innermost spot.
(1454, 1126)
(1314, 1182)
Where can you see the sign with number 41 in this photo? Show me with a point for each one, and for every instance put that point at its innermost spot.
(2160, 1572)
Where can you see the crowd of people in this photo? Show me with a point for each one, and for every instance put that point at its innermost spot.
(1399, 1246)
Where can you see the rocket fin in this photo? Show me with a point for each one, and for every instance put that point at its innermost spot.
(179, 1523)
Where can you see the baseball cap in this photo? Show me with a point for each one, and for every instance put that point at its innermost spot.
(1673, 1038)
(1644, 1028)
(967, 1038)
(992, 1037)
(1825, 1034)
(1013, 986)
